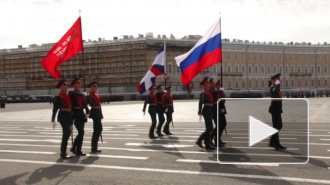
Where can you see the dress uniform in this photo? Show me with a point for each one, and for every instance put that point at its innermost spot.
(168, 110)
(78, 105)
(152, 101)
(275, 109)
(206, 99)
(63, 104)
(94, 102)
(160, 95)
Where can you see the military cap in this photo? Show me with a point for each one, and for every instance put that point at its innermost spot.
(204, 80)
(211, 80)
(75, 80)
(159, 86)
(169, 87)
(277, 75)
(92, 83)
(151, 87)
(61, 82)
(218, 82)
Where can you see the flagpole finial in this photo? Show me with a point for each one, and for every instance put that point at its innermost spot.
(79, 12)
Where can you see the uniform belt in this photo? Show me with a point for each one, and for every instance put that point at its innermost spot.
(208, 104)
(96, 107)
(170, 104)
(76, 107)
(160, 103)
(65, 109)
(152, 104)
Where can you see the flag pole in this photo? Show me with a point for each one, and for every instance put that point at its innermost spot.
(221, 53)
(83, 58)
(165, 61)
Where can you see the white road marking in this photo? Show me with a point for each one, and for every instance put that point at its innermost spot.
(217, 162)
(25, 152)
(118, 156)
(162, 145)
(187, 172)
(12, 132)
(248, 137)
(39, 140)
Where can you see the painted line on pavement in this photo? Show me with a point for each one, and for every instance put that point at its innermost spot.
(216, 162)
(171, 171)
(26, 152)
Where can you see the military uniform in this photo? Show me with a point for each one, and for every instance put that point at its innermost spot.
(160, 110)
(78, 105)
(218, 110)
(152, 101)
(63, 104)
(275, 109)
(93, 100)
(205, 107)
(170, 109)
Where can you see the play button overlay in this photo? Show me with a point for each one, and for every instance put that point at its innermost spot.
(250, 126)
(259, 131)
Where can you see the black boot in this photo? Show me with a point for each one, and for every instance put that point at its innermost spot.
(200, 139)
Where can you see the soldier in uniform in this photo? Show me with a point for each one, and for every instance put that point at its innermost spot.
(168, 110)
(276, 110)
(94, 102)
(206, 99)
(78, 106)
(160, 95)
(63, 103)
(152, 101)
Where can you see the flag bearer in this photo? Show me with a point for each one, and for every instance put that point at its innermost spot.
(152, 101)
(160, 109)
(168, 110)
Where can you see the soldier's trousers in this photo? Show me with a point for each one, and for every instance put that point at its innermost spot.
(97, 126)
(153, 123)
(277, 123)
(77, 144)
(219, 129)
(161, 119)
(207, 114)
(168, 122)
(66, 130)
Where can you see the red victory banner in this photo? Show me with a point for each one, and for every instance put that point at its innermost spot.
(68, 46)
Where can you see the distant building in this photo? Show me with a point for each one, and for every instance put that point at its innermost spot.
(119, 64)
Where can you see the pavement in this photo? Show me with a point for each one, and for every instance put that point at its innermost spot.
(29, 149)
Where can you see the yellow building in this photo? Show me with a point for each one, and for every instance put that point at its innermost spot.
(119, 64)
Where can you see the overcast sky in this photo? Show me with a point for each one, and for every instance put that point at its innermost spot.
(25, 22)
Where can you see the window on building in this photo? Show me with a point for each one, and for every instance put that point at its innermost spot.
(229, 84)
(325, 69)
(326, 57)
(319, 58)
(236, 56)
(299, 69)
(319, 69)
(256, 56)
(178, 70)
(263, 84)
(257, 83)
(268, 57)
(281, 69)
(306, 83)
(236, 68)
(268, 69)
(214, 68)
(249, 56)
(306, 58)
(286, 58)
(250, 84)
(169, 53)
(243, 69)
(262, 56)
(299, 58)
(255, 69)
(306, 69)
(292, 84)
(262, 69)
(243, 84)
(292, 69)
(236, 84)
(286, 69)
(170, 67)
(312, 58)
(275, 69)
(299, 84)
(229, 68)
(280, 57)
(275, 57)
(312, 69)
(287, 83)
(292, 58)
(318, 83)
(250, 70)
(326, 83)
(228, 55)
(243, 56)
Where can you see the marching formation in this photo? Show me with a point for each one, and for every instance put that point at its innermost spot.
(73, 108)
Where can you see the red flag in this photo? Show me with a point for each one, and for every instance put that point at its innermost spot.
(68, 46)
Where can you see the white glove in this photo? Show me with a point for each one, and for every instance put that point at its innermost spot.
(85, 93)
(166, 110)
(53, 124)
(277, 82)
(222, 110)
(87, 116)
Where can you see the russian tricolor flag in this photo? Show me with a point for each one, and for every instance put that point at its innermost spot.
(157, 68)
(204, 54)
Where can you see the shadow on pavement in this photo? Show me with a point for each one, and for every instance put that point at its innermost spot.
(12, 179)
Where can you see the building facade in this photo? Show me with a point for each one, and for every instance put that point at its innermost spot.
(118, 65)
